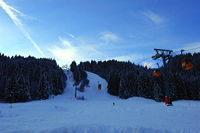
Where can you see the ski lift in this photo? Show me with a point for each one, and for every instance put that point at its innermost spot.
(156, 72)
(156, 56)
(186, 64)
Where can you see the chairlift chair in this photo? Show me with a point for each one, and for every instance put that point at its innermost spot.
(186, 64)
(156, 73)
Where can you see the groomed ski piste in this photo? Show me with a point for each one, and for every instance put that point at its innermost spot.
(98, 113)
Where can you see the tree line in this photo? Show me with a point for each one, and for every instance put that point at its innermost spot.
(125, 79)
(25, 79)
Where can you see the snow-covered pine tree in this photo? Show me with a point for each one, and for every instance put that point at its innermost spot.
(17, 89)
(157, 92)
(44, 88)
(113, 84)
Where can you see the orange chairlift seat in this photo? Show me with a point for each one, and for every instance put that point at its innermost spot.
(186, 64)
(156, 73)
(81, 89)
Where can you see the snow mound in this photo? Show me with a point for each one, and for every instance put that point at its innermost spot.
(92, 92)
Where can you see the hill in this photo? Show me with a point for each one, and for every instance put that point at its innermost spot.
(125, 79)
(98, 114)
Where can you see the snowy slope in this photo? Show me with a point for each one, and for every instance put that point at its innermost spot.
(96, 114)
(91, 93)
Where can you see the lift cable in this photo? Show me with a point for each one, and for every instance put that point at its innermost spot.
(173, 53)
(182, 50)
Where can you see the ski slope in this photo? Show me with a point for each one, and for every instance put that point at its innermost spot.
(97, 114)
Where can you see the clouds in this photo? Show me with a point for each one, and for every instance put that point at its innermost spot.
(67, 51)
(72, 48)
(108, 36)
(191, 47)
(149, 64)
(72, 36)
(13, 14)
(129, 57)
(153, 17)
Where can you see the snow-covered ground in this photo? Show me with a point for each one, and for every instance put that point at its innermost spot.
(98, 114)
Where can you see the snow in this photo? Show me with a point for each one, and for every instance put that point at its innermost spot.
(97, 114)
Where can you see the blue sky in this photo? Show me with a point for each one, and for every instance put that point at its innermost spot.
(83, 30)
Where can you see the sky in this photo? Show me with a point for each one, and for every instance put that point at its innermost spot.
(84, 30)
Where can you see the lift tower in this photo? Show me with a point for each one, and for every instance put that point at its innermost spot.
(162, 53)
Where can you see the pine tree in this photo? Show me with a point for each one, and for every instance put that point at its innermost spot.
(43, 91)
(157, 92)
(113, 84)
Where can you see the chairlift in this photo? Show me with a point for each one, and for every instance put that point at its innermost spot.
(186, 64)
(156, 72)
(156, 56)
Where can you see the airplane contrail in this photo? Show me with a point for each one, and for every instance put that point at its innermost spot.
(12, 13)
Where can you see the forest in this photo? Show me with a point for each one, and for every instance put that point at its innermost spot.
(125, 79)
(25, 79)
